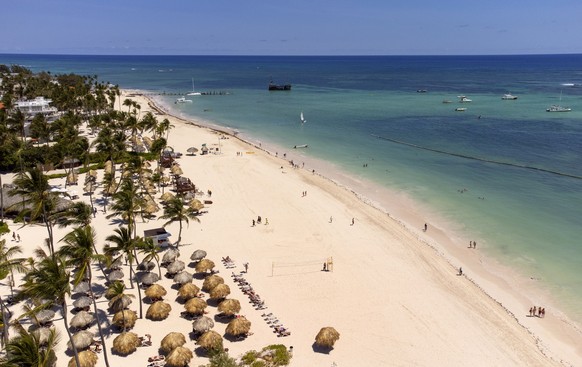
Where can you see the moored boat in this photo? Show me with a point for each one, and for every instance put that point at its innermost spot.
(509, 97)
(461, 109)
(558, 108)
(273, 86)
(183, 100)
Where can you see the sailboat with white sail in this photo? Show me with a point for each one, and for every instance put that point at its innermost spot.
(194, 93)
(302, 118)
(557, 107)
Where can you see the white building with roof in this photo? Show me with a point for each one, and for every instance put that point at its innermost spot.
(37, 105)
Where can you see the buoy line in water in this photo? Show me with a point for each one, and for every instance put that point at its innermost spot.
(533, 168)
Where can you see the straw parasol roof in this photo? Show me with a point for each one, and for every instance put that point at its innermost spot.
(82, 339)
(116, 264)
(179, 357)
(202, 324)
(120, 303)
(110, 292)
(108, 167)
(125, 319)
(82, 319)
(170, 255)
(229, 306)
(115, 275)
(149, 278)
(204, 265)
(211, 282)
(43, 316)
(183, 277)
(196, 204)
(150, 207)
(82, 302)
(198, 255)
(82, 287)
(238, 326)
(327, 337)
(146, 265)
(210, 340)
(220, 291)
(158, 311)
(195, 306)
(156, 292)
(176, 170)
(167, 196)
(126, 343)
(87, 358)
(176, 267)
(92, 173)
(172, 341)
(188, 290)
(192, 150)
(42, 334)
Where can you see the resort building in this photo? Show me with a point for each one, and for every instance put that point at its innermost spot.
(37, 105)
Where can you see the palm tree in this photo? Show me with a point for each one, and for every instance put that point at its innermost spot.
(38, 200)
(125, 245)
(7, 266)
(77, 214)
(127, 203)
(176, 211)
(151, 251)
(26, 350)
(79, 249)
(117, 293)
(47, 284)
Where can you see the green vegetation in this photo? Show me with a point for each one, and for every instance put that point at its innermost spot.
(270, 356)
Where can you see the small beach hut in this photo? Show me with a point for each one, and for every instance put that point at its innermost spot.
(176, 267)
(211, 282)
(172, 341)
(126, 343)
(220, 291)
(238, 326)
(183, 277)
(327, 337)
(198, 255)
(82, 319)
(158, 311)
(202, 324)
(125, 319)
(149, 278)
(204, 265)
(156, 292)
(195, 306)
(229, 306)
(81, 340)
(179, 357)
(87, 358)
(188, 291)
(210, 340)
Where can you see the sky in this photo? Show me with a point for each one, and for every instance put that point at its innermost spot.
(291, 27)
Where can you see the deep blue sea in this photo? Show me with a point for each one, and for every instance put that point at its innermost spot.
(520, 165)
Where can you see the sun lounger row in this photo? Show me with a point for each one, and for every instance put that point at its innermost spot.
(275, 324)
(228, 262)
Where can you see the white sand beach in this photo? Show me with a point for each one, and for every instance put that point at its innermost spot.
(393, 292)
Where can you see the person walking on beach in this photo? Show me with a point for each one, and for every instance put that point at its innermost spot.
(425, 227)
(266, 221)
(14, 236)
(253, 222)
(18, 236)
(330, 219)
(460, 271)
(474, 244)
(246, 265)
(353, 221)
(530, 311)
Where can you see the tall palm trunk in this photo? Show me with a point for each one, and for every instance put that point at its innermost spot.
(5, 328)
(96, 311)
(66, 321)
(138, 288)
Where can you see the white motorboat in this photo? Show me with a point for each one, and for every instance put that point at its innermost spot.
(303, 120)
(558, 108)
(300, 146)
(183, 100)
(194, 93)
(509, 97)
(461, 109)
(464, 99)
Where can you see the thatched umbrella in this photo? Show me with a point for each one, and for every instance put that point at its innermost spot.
(220, 291)
(149, 278)
(72, 178)
(183, 277)
(179, 357)
(120, 303)
(116, 264)
(238, 326)
(327, 337)
(198, 255)
(156, 292)
(146, 265)
(188, 290)
(195, 306)
(82, 287)
(92, 173)
(176, 170)
(126, 343)
(125, 319)
(167, 196)
(115, 275)
(170, 255)
(158, 311)
(82, 319)
(111, 292)
(229, 306)
(211, 282)
(192, 150)
(172, 341)
(196, 205)
(202, 324)
(83, 302)
(148, 143)
(210, 340)
(176, 267)
(87, 358)
(43, 316)
(204, 265)
(82, 339)
(42, 334)
(108, 167)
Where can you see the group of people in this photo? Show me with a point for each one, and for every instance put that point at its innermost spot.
(304, 194)
(472, 244)
(15, 237)
(259, 220)
(537, 311)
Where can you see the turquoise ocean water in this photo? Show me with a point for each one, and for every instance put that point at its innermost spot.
(530, 218)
